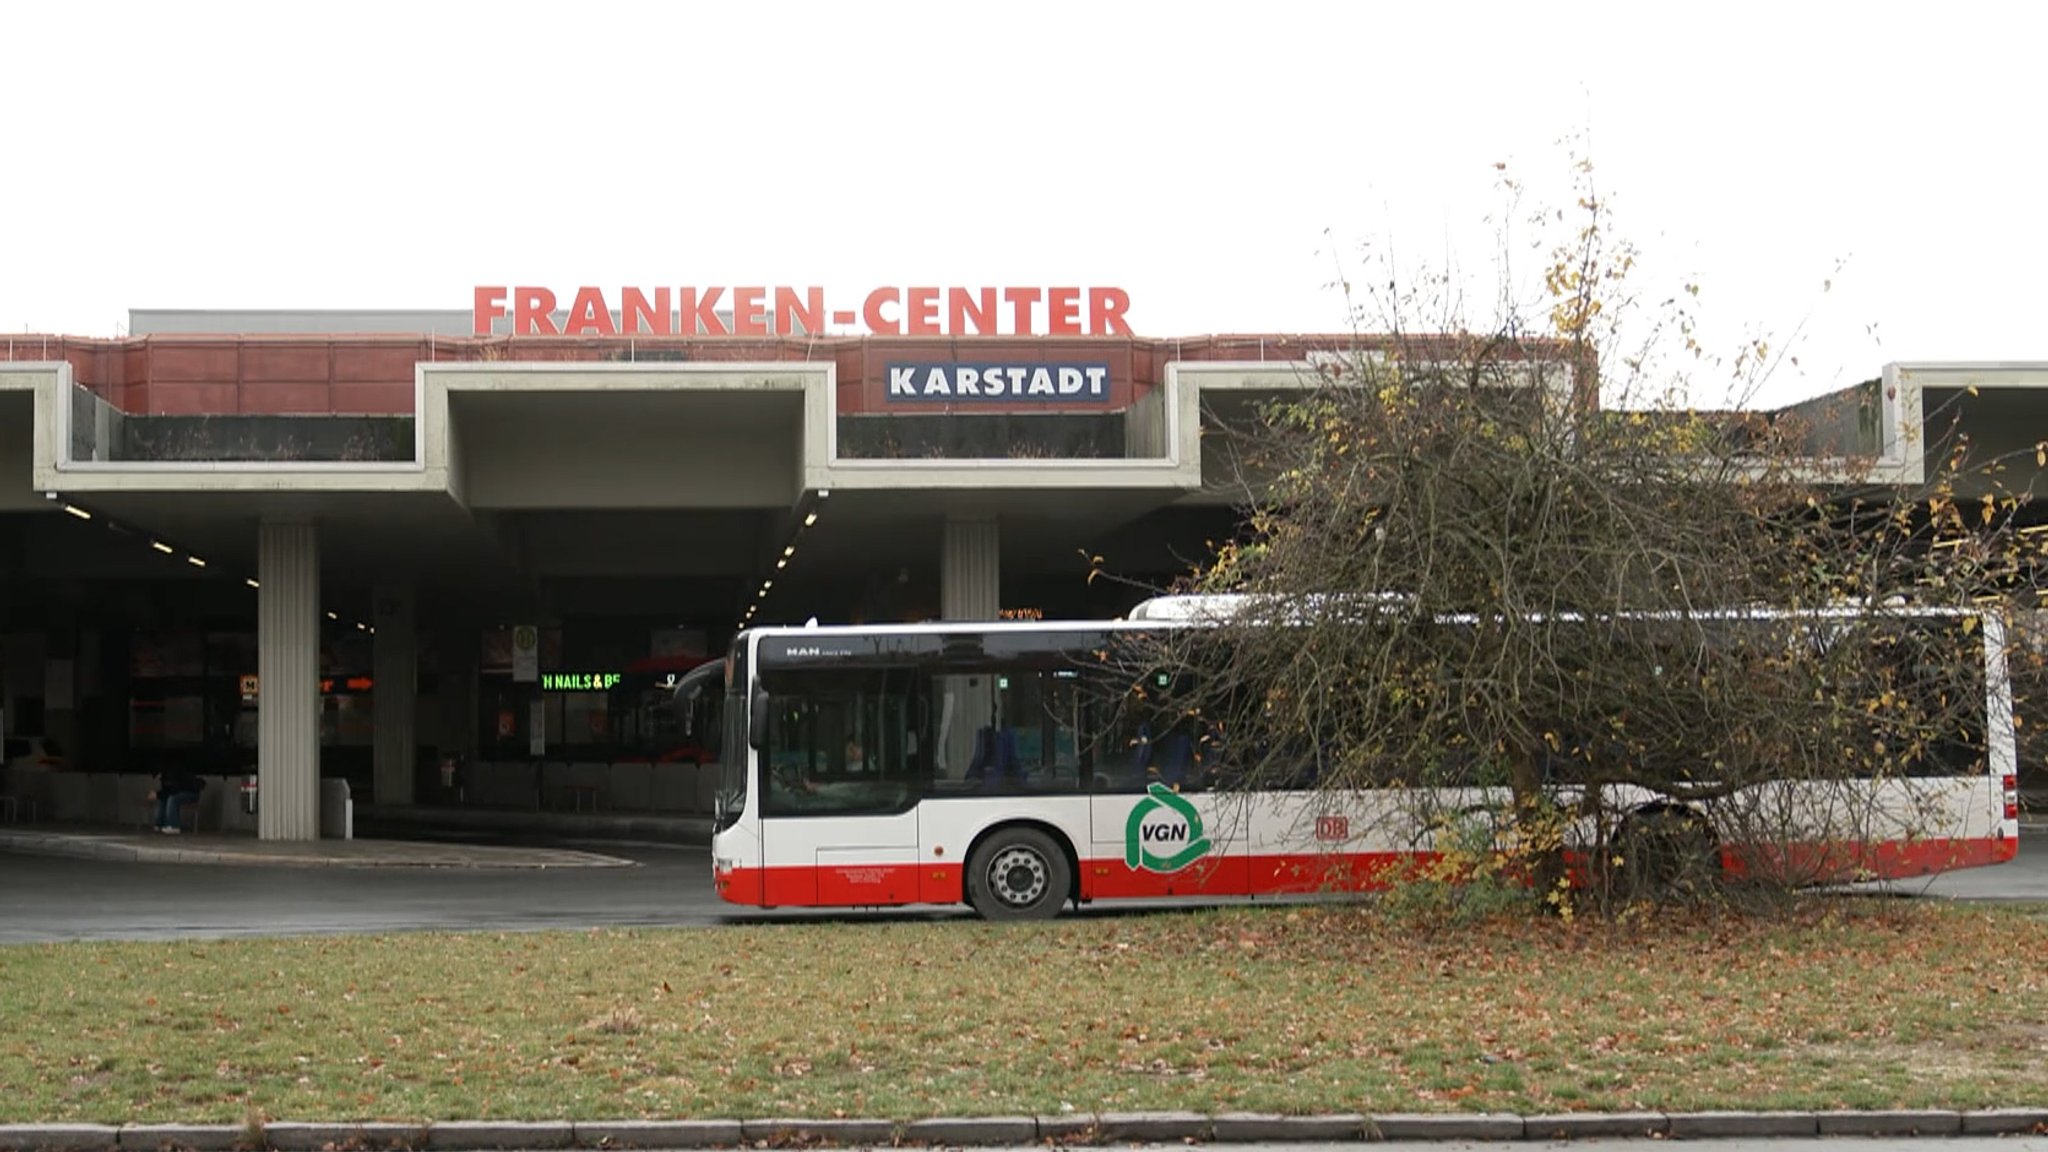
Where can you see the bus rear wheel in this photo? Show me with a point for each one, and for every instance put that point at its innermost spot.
(1668, 853)
(1018, 874)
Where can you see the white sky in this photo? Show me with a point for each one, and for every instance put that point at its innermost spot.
(1213, 160)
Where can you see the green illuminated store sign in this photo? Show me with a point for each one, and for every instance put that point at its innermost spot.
(578, 681)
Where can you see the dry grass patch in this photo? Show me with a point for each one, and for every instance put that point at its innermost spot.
(1289, 1010)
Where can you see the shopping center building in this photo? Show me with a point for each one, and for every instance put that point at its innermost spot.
(352, 544)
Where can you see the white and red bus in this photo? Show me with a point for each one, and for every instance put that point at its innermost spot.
(978, 763)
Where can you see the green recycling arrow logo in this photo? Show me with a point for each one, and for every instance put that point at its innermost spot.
(1140, 837)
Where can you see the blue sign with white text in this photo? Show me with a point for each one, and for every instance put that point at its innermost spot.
(949, 381)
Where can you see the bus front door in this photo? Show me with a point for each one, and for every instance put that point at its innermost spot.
(866, 861)
(841, 838)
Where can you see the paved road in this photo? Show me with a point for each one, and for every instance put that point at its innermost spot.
(45, 898)
(52, 898)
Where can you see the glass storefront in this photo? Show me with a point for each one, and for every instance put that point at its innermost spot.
(193, 695)
(603, 692)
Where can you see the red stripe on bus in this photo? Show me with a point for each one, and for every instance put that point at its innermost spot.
(942, 883)
(1110, 878)
(842, 886)
(1886, 860)
(739, 886)
(1306, 873)
(1302, 873)
(790, 888)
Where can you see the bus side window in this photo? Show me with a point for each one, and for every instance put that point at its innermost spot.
(995, 762)
(1173, 759)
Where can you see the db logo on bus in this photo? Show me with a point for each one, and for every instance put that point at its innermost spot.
(1164, 833)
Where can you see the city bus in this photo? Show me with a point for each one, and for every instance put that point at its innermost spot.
(988, 764)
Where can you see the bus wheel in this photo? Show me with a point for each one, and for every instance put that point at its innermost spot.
(1018, 874)
(1666, 853)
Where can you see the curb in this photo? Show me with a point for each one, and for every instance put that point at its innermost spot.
(1070, 1128)
(70, 847)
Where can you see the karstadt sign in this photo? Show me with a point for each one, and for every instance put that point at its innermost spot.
(1080, 383)
(766, 311)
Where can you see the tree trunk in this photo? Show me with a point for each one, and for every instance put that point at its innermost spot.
(1539, 828)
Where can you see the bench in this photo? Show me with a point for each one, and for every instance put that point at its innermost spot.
(191, 815)
(16, 797)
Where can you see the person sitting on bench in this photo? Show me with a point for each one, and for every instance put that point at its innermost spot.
(173, 789)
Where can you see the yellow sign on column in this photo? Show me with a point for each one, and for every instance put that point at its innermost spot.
(525, 654)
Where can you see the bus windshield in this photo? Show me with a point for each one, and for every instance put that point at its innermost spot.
(727, 688)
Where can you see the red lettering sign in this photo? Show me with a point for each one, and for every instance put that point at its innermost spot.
(1330, 827)
(762, 311)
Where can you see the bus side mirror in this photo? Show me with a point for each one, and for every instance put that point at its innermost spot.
(686, 690)
(683, 704)
(757, 721)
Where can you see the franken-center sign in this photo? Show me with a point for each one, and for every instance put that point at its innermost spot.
(782, 310)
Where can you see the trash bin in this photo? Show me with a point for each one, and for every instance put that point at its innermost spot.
(452, 779)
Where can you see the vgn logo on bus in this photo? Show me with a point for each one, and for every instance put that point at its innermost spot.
(1164, 833)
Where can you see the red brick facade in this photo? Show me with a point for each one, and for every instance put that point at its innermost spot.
(373, 375)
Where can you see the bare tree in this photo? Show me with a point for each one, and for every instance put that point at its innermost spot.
(1616, 635)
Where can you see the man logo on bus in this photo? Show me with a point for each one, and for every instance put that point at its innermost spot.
(1168, 842)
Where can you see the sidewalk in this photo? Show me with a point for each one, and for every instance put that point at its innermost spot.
(413, 836)
(130, 844)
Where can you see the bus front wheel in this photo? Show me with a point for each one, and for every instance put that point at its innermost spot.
(1018, 874)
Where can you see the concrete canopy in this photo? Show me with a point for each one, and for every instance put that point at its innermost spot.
(693, 477)
(686, 480)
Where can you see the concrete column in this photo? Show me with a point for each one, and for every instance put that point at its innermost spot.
(970, 588)
(288, 668)
(394, 700)
(970, 569)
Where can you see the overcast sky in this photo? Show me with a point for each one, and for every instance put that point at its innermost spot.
(1216, 161)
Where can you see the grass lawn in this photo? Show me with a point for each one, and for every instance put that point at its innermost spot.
(1857, 1005)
